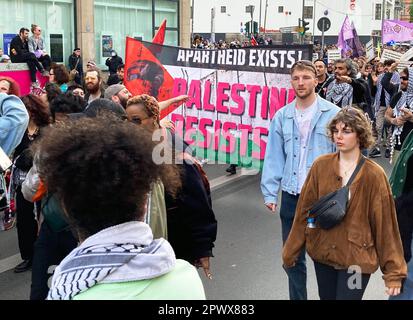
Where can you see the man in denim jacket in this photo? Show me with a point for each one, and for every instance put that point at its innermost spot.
(298, 135)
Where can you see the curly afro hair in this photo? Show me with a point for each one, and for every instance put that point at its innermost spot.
(101, 170)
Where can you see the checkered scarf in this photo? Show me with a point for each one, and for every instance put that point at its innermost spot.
(340, 94)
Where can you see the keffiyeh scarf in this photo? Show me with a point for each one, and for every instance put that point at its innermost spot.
(405, 101)
(395, 80)
(341, 94)
(123, 253)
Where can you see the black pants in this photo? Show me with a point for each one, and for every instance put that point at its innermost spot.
(339, 284)
(46, 61)
(26, 225)
(50, 249)
(32, 63)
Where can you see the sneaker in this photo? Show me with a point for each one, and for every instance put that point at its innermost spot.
(375, 153)
(232, 169)
(35, 84)
(23, 266)
(387, 153)
(45, 73)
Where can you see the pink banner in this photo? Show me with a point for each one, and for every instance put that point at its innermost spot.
(398, 31)
(23, 79)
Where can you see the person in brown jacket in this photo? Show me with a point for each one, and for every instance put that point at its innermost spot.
(368, 236)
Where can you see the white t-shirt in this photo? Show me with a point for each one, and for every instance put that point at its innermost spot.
(304, 118)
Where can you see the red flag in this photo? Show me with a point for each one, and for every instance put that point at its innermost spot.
(144, 73)
(253, 41)
(159, 37)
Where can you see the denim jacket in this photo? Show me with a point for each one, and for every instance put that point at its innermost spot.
(282, 155)
(14, 120)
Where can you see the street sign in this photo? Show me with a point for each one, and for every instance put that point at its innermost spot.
(324, 24)
(289, 29)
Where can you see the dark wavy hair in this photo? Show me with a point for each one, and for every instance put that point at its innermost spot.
(66, 103)
(14, 86)
(106, 174)
(52, 91)
(37, 109)
(61, 74)
(355, 119)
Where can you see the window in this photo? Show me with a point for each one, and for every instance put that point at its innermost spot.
(223, 9)
(377, 14)
(280, 9)
(249, 9)
(308, 12)
(56, 47)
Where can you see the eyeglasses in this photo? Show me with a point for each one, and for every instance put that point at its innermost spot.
(138, 121)
(404, 78)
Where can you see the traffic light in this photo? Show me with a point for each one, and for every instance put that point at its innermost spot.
(254, 28)
(304, 26)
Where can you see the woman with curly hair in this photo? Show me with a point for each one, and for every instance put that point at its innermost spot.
(117, 257)
(345, 255)
(27, 226)
(191, 223)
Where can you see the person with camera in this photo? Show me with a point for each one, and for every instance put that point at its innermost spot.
(348, 237)
(76, 67)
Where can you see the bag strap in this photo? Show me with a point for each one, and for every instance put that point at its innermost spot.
(356, 171)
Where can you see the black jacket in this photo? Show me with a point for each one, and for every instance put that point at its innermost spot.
(72, 64)
(113, 63)
(404, 205)
(114, 79)
(192, 227)
(17, 49)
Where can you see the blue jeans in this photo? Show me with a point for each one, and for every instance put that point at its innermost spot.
(297, 275)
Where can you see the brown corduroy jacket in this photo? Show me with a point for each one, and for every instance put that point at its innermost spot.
(367, 237)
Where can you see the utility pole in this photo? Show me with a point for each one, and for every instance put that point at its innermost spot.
(303, 36)
(259, 25)
(213, 24)
(265, 18)
(382, 18)
(192, 21)
(314, 22)
(252, 20)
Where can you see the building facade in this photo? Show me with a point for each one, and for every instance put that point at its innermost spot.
(406, 10)
(96, 26)
(283, 15)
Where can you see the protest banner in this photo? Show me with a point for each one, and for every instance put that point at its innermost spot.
(234, 94)
(397, 31)
(370, 50)
(333, 55)
(390, 54)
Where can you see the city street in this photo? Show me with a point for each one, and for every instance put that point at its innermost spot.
(247, 262)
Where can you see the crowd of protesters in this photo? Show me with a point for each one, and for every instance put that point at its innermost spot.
(118, 226)
(126, 196)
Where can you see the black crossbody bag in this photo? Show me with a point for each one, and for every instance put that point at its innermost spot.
(330, 209)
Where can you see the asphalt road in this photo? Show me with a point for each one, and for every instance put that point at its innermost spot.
(247, 262)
